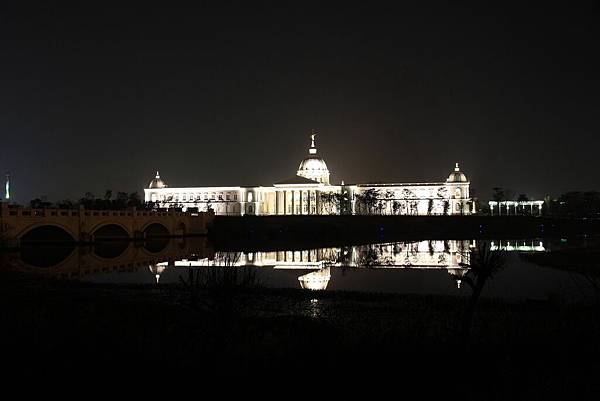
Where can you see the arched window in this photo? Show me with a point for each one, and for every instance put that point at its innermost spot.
(249, 196)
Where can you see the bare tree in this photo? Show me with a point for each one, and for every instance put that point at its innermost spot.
(484, 264)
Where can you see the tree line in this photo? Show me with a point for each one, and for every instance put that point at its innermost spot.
(120, 201)
(374, 201)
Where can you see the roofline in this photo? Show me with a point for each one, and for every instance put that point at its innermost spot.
(318, 184)
(408, 184)
(306, 184)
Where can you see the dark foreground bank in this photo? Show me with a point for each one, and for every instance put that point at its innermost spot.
(528, 348)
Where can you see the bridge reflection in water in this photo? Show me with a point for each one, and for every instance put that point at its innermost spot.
(77, 262)
(314, 266)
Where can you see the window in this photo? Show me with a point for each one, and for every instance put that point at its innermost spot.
(221, 196)
(249, 196)
(235, 197)
(228, 197)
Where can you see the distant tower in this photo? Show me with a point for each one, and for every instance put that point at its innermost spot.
(7, 187)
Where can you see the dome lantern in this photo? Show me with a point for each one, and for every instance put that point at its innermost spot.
(157, 182)
(457, 175)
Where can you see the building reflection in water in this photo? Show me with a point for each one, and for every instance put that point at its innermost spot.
(450, 255)
(317, 280)
(536, 245)
(313, 265)
(157, 270)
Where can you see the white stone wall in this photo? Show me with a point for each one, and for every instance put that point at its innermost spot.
(418, 199)
(392, 199)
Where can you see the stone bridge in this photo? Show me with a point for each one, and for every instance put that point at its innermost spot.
(18, 225)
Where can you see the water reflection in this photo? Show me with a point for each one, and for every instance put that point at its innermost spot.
(77, 262)
(315, 281)
(45, 256)
(532, 245)
(426, 266)
(156, 271)
(110, 249)
(449, 255)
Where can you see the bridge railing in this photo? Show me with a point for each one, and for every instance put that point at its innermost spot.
(6, 211)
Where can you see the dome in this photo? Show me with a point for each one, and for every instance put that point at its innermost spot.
(313, 164)
(314, 167)
(157, 182)
(457, 175)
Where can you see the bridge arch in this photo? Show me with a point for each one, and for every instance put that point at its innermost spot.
(46, 232)
(155, 229)
(110, 230)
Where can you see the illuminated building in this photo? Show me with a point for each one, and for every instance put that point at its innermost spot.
(310, 192)
(506, 208)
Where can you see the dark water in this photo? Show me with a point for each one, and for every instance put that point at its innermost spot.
(420, 267)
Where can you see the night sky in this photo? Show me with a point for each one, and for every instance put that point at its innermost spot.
(94, 99)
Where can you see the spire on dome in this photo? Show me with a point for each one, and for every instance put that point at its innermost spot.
(313, 167)
(456, 167)
(312, 150)
(157, 174)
